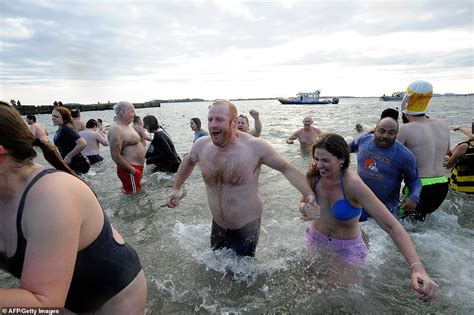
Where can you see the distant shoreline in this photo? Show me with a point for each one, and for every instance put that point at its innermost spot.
(42, 109)
(46, 109)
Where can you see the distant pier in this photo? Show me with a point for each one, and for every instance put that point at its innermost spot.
(47, 109)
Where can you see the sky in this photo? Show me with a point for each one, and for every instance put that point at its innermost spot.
(90, 51)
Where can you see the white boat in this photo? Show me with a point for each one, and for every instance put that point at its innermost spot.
(303, 98)
(396, 96)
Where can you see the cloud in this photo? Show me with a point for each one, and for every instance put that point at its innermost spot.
(179, 43)
(14, 28)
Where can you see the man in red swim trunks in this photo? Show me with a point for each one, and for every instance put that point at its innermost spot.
(126, 148)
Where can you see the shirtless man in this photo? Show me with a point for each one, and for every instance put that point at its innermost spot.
(138, 126)
(428, 140)
(77, 123)
(306, 135)
(93, 137)
(244, 126)
(126, 148)
(37, 129)
(230, 163)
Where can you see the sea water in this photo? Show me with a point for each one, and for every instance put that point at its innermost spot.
(184, 275)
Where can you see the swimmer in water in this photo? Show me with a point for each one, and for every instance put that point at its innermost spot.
(341, 195)
(55, 236)
(244, 126)
(306, 135)
(230, 163)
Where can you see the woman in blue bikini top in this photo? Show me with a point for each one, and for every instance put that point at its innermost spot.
(341, 193)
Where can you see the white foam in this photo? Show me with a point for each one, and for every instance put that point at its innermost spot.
(194, 240)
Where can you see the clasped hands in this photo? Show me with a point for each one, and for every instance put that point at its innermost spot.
(309, 209)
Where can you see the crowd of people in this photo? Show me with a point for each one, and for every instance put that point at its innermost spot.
(85, 265)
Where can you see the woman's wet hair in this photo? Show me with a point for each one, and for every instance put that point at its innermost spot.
(65, 114)
(91, 123)
(334, 144)
(17, 139)
(197, 121)
(150, 123)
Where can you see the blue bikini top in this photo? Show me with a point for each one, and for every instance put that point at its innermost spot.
(342, 210)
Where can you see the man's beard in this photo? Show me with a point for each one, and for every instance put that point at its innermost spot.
(405, 119)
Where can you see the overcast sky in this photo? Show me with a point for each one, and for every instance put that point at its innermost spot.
(88, 51)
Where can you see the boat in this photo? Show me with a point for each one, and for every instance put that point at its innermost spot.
(308, 98)
(396, 96)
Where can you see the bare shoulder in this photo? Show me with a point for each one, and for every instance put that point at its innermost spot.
(201, 143)
(440, 123)
(57, 194)
(352, 182)
(297, 132)
(113, 128)
(201, 146)
(250, 140)
(404, 131)
(114, 131)
(260, 147)
(48, 184)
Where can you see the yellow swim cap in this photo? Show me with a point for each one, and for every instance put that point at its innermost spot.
(417, 97)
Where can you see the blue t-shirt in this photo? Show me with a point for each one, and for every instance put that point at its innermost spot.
(200, 134)
(383, 169)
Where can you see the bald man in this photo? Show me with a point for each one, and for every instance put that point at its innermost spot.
(126, 148)
(383, 163)
(306, 135)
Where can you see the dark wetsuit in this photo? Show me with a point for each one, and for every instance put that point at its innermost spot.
(162, 153)
(102, 269)
(243, 241)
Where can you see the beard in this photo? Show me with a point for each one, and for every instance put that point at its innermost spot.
(405, 119)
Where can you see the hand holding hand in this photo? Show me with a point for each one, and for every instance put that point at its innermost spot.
(310, 211)
(423, 284)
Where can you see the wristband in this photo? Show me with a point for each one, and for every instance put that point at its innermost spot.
(413, 265)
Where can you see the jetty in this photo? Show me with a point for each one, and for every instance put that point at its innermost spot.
(47, 109)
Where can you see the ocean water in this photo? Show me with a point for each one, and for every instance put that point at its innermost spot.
(185, 276)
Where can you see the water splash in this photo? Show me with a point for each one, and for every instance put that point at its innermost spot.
(194, 240)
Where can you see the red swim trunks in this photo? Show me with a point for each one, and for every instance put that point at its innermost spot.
(131, 183)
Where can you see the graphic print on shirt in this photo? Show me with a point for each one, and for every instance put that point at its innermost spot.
(371, 165)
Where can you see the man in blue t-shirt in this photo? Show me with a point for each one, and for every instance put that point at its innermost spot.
(383, 163)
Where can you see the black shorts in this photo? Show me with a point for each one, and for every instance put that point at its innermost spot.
(94, 158)
(243, 241)
(79, 164)
(431, 197)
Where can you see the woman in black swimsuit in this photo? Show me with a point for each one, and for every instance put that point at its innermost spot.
(55, 236)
